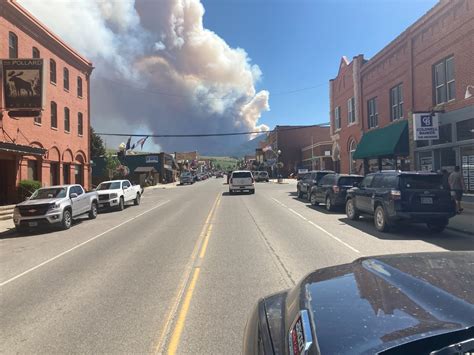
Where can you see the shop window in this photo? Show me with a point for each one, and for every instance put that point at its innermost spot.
(33, 170)
(396, 102)
(467, 166)
(447, 158)
(66, 174)
(12, 45)
(443, 81)
(54, 173)
(423, 143)
(373, 116)
(66, 78)
(78, 174)
(425, 161)
(52, 71)
(465, 130)
(445, 134)
(35, 52)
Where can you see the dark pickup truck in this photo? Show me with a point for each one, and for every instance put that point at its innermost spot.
(393, 197)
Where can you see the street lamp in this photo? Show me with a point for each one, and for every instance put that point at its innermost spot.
(278, 165)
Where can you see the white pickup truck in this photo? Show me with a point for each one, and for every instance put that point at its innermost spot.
(116, 193)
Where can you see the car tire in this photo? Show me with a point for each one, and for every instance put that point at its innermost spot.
(299, 193)
(66, 222)
(351, 210)
(231, 192)
(252, 191)
(312, 200)
(434, 227)
(121, 204)
(381, 221)
(136, 201)
(93, 211)
(329, 206)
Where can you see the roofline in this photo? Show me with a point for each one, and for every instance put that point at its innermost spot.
(318, 144)
(29, 16)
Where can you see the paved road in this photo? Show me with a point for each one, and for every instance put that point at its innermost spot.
(179, 273)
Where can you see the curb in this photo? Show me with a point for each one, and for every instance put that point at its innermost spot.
(454, 229)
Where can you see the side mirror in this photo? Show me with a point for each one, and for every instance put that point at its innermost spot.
(72, 195)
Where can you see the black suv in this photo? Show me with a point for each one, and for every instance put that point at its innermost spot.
(309, 180)
(331, 190)
(392, 197)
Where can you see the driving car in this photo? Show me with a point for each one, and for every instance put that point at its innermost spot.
(261, 176)
(391, 304)
(392, 197)
(186, 178)
(241, 180)
(331, 190)
(304, 185)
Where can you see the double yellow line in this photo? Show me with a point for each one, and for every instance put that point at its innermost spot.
(186, 288)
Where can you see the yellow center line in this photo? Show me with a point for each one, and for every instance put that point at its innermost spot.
(182, 288)
(204, 243)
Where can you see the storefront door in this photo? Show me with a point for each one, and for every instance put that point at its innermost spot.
(66, 173)
(7, 181)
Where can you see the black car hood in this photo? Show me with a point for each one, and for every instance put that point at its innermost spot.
(378, 303)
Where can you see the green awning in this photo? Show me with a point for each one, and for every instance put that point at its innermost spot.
(384, 142)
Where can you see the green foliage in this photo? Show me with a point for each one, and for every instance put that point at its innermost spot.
(27, 187)
(111, 165)
(97, 145)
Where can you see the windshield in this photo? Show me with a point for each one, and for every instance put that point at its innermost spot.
(48, 193)
(420, 182)
(109, 185)
(349, 180)
(241, 175)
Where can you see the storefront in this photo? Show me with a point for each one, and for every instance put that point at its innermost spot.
(455, 146)
(385, 148)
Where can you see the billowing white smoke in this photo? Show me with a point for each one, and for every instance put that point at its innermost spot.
(158, 69)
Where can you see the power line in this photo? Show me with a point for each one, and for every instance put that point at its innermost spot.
(197, 135)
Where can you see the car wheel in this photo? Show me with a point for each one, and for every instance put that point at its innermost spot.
(351, 211)
(252, 191)
(231, 192)
(328, 204)
(380, 220)
(436, 227)
(121, 204)
(313, 201)
(299, 193)
(93, 211)
(67, 220)
(136, 202)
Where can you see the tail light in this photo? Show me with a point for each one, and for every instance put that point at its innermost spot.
(395, 195)
(335, 189)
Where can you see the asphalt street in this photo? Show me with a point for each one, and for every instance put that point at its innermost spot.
(181, 272)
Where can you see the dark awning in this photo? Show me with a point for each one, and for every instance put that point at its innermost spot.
(145, 169)
(384, 142)
(21, 149)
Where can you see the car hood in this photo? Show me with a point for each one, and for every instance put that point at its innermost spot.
(40, 202)
(381, 302)
(104, 192)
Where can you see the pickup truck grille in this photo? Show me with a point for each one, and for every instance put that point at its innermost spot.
(104, 197)
(34, 210)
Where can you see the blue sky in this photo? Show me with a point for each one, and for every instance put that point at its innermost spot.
(299, 43)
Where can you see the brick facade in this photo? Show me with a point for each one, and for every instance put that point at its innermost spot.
(447, 30)
(67, 152)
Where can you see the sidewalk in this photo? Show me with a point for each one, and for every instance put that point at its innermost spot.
(6, 227)
(464, 222)
(171, 185)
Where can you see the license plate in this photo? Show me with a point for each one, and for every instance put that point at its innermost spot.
(426, 200)
(32, 224)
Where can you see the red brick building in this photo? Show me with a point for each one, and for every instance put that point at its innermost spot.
(54, 147)
(427, 68)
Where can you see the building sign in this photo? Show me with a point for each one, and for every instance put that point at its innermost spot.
(327, 153)
(425, 126)
(152, 159)
(426, 163)
(22, 84)
(302, 171)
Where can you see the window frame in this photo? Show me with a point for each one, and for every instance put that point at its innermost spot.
(79, 87)
(68, 115)
(80, 124)
(396, 105)
(337, 117)
(33, 49)
(52, 73)
(446, 83)
(12, 35)
(55, 105)
(372, 115)
(351, 111)
(66, 79)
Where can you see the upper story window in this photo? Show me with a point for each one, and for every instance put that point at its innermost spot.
(337, 117)
(52, 71)
(80, 124)
(12, 45)
(396, 102)
(54, 115)
(35, 53)
(66, 78)
(351, 110)
(373, 115)
(443, 81)
(79, 86)
(67, 122)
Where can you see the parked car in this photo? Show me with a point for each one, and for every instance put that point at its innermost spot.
(117, 193)
(303, 187)
(241, 180)
(261, 176)
(393, 197)
(55, 206)
(331, 190)
(186, 178)
(219, 175)
(391, 304)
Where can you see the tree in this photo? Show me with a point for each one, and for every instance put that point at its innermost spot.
(111, 165)
(97, 144)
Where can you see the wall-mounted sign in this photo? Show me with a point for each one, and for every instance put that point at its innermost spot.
(425, 126)
(22, 84)
(152, 159)
(327, 153)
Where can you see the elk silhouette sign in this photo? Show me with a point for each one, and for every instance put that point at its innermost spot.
(23, 84)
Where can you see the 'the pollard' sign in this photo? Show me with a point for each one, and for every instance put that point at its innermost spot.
(425, 126)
